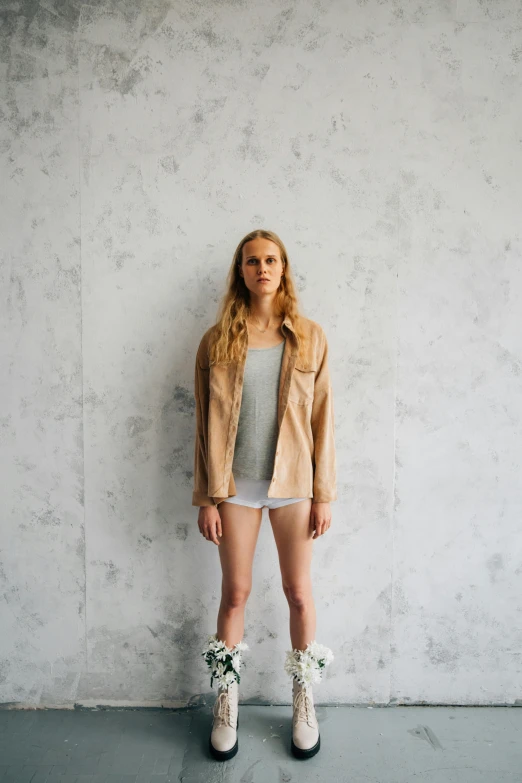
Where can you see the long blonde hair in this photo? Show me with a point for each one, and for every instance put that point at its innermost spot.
(230, 330)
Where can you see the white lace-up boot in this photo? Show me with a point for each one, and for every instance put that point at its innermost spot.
(223, 742)
(306, 739)
(306, 667)
(224, 664)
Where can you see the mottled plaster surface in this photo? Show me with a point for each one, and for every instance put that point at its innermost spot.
(140, 141)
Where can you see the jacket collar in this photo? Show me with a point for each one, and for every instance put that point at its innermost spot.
(287, 321)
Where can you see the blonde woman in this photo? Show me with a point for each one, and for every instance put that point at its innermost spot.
(264, 437)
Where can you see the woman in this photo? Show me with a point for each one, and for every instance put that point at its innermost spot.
(264, 437)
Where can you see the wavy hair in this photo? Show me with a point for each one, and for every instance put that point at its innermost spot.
(230, 330)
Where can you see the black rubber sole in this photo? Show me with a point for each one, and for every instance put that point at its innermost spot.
(224, 755)
(306, 753)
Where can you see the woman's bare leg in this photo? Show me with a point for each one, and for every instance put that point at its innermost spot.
(240, 526)
(293, 536)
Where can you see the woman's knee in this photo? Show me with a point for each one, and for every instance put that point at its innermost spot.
(299, 595)
(236, 596)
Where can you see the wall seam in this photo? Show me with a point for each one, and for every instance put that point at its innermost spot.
(394, 465)
(85, 647)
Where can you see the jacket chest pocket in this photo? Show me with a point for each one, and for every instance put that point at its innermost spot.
(302, 385)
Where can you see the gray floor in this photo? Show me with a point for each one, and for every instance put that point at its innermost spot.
(381, 745)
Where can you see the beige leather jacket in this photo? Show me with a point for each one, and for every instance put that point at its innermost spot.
(305, 462)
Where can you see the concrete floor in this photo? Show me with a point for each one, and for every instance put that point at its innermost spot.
(377, 745)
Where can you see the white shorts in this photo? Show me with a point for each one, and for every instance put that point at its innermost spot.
(253, 493)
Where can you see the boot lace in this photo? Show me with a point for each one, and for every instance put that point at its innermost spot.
(304, 710)
(222, 709)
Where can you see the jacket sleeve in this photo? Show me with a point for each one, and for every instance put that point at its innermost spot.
(323, 430)
(201, 396)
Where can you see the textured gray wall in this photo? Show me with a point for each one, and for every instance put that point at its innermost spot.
(140, 141)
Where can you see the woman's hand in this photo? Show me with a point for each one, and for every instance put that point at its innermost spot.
(320, 518)
(209, 523)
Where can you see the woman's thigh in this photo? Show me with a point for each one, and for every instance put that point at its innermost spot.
(240, 526)
(293, 533)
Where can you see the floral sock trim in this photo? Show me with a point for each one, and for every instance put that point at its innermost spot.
(307, 665)
(224, 662)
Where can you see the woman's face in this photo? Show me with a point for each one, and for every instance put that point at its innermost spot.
(261, 266)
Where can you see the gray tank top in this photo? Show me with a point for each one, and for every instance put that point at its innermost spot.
(257, 429)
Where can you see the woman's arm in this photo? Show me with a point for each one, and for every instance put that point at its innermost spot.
(201, 395)
(323, 429)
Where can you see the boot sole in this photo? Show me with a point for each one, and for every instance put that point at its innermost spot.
(306, 753)
(224, 755)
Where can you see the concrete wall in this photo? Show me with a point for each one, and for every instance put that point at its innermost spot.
(140, 141)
